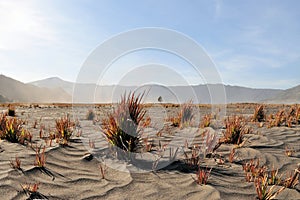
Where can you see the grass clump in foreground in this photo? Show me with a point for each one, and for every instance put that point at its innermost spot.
(11, 129)
(263, 191)
(121, 128)
(64, 130)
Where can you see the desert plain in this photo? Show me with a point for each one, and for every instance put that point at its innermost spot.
(85, 168)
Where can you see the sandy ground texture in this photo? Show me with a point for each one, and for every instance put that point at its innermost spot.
(72, 172)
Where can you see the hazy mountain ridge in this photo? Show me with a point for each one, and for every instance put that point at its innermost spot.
(88, 93)
(17, 91)
(290, 96)
(54, 89)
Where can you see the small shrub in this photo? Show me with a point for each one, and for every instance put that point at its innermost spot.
(11, 111)
(259, 114)
(90, 115)
(235, 130)
(121, 128)
(193, 160)
(40, 157)
(11, 129)
(206, 120)
(202, 176)
(184, 116)
(16, 164)
(64, 129)
(279, 120)
(262, 190)
(273, 178)
(253, 170)
(293, 179)
(30, 189)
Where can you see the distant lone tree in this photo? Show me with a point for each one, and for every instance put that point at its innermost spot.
(159, 99)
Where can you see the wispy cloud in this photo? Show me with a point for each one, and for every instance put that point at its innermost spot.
(218, 8)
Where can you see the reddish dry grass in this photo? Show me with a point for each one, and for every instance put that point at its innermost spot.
(40, 157)
(293, 179)
(11, 129)
(64, 129)
(193, 159)
(231, 156)
(202, 176)
(206, 121)
(235, 130)
(103, 170)
(259, 114)
(262, 190)
(121, 128)
(184, 116)
(30, 189)
(16, 164)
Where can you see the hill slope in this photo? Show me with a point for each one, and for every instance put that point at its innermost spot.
(21, 92)
(173, 94)
(290, 96)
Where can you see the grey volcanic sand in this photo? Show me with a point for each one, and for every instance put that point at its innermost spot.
(69, 176)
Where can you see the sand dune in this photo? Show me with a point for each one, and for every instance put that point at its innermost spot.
(71, 174)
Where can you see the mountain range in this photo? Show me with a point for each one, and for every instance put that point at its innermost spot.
(54, 89)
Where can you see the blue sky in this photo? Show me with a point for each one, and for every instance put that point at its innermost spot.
(252, 43)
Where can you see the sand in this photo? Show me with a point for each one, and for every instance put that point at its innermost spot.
(72, 173)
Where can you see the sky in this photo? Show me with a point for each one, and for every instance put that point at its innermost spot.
(254, 43)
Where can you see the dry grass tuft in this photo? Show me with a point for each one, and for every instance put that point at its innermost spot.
(121, 128)
(262, 190)
(16, 164)
(40, 157)
(11, 129)
(259, 114)
(184, 116)
(193, 159)
(202, 176)
(64, 130)
(235, 130)
(206, 121)
(30, 189)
